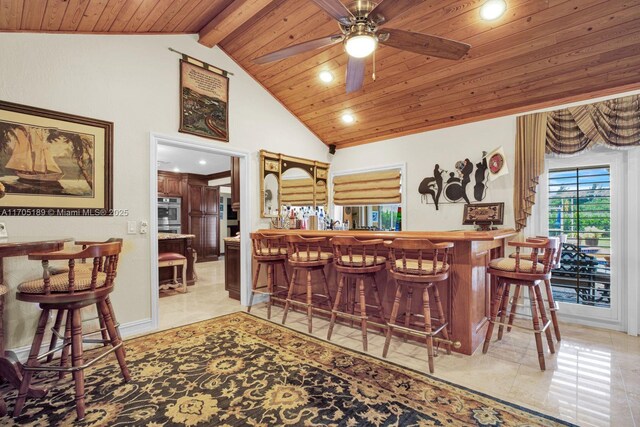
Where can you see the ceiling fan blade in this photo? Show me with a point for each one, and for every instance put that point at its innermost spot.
(299, 48)
(355, 73)
(389, 9)
(336, 10)
(424, 44)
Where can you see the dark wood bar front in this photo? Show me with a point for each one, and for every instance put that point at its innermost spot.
(468, 294)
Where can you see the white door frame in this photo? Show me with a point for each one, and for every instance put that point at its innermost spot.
(615, 317)
(212, 147)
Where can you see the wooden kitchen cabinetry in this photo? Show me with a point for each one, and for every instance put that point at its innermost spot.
(232, 267)
(169, 184)
(200, 209)
(235, 183)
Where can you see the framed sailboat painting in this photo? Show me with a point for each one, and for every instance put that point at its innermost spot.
(54, 164)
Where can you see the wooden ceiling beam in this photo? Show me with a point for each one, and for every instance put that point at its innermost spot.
(231, 18)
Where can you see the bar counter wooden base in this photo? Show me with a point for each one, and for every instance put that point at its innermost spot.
(467, 298)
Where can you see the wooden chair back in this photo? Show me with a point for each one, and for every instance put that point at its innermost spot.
(267, 246)
(351, 252)
(544, 254)
(431, 258)
(105, 260)
(304, 248)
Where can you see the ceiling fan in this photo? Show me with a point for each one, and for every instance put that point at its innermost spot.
(359, 24)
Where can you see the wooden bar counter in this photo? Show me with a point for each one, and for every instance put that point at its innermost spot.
(468, 293)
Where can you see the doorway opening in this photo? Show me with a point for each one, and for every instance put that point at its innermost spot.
(196, 230)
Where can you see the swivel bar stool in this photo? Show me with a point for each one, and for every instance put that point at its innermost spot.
(553, 306)
(306, 256)
(421, 264)
(270, 251)
(357, 260)
(523, 272)
(71, 292)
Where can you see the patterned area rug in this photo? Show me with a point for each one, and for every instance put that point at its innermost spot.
(241, 370)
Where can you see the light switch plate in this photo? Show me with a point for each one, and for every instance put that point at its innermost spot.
(3, 230)
(131, 227)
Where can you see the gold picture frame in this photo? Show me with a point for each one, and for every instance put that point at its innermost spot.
(204, 101)
(54, 164)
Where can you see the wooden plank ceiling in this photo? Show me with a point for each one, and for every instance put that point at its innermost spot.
(541, 53)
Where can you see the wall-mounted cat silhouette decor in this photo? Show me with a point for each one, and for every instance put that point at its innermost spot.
(455, 187)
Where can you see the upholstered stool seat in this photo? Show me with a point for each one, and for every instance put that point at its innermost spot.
(175, 260)
(60, 283)
(354, 268)
(3, 289)
(269, 251)
(305, 256)
(419, 264)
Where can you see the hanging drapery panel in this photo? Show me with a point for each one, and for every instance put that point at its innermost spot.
(530, 148)
(297, 192)
(370, 188)
(614, 123)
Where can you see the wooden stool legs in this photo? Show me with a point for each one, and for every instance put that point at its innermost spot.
(538, 316)
(426, 313)
(271, 285)
(552, 309)
(308, 304)
(349, 309)
(73, 340)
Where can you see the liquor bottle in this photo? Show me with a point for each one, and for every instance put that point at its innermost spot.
(399, 219)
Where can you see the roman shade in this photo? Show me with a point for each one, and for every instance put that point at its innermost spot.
(370, 188)
(299, 192)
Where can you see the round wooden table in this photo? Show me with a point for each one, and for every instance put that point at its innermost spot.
(10, 367)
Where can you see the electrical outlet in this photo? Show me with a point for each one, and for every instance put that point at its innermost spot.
(144, 227)
(131, 227)
(3, 230)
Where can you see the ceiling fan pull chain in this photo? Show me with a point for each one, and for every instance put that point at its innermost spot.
(374, 66)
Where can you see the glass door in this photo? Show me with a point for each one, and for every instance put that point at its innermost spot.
(581, 197)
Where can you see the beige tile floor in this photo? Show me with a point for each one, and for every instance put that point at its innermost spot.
(593, 379)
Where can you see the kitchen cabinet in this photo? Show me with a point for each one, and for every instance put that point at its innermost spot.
(235, 183)
(169, 184)
(203, 218)
(232, 267)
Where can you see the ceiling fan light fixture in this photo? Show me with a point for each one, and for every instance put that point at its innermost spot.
(493, 9)
(360, 45)
(326, 76)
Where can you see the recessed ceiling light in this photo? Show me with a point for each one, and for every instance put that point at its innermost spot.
(493, 9)
(348, 118)
(176, 170)
(203, 162)
(326, 76)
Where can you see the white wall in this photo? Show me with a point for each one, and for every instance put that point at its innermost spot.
(132, 81)
(445, 146)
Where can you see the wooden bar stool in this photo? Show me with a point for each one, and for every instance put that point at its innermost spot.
(71, 292)
(175, 260)
(305, 255)
(357, 260)
(419, 263)
(553, 306)
(523, 272)
(270, 251)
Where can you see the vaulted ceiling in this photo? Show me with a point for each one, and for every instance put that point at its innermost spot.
(540, 53)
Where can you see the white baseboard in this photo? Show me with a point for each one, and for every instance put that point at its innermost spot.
(127, 330)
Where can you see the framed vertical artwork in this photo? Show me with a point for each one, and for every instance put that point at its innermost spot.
(52, 163)
(204, 101)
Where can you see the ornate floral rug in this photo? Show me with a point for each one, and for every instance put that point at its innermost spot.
(239, 370)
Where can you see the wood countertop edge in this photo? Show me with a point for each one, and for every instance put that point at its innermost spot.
(436, 235)
(173, 236)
